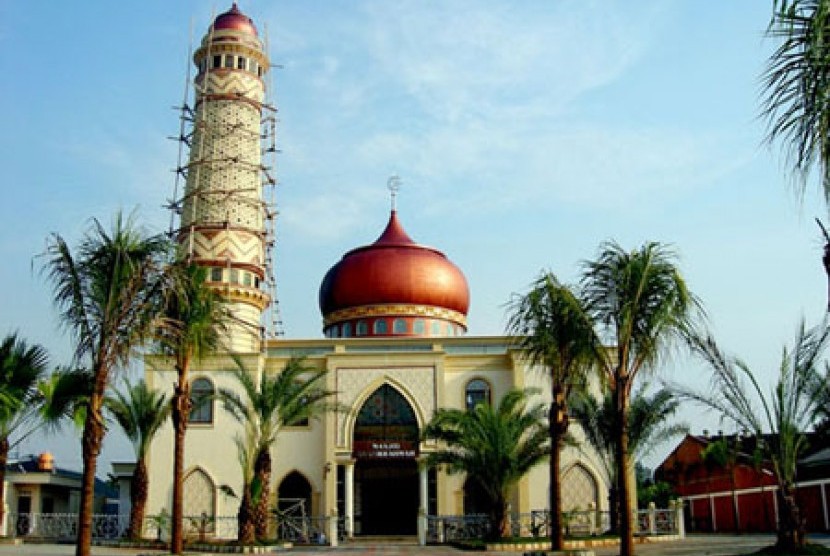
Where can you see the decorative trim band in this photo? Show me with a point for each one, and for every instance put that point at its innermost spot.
(395, 310)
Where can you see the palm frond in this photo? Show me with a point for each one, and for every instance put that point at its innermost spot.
(140, 411)
(796, 88)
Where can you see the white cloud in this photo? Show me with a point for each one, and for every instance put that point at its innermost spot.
(475, 58)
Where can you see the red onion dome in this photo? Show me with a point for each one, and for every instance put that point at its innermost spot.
(234, 20)
(397, 277)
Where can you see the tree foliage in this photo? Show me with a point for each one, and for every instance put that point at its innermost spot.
(108, 291)
(796, 85)
(140, 412)
(640, 303)
(192, 325)
(494, 447)
(787, 411)
(263, 406)
(23, 367)
(551, 326)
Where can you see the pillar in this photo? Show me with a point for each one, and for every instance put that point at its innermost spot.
(349, 501)
(424, 505)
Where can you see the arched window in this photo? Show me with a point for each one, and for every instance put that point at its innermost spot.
(201, 396)
(347, 330)
(418, 326)
(477, 391)
(362, 328)
(380, 327)
(399, 326)
(435, 328)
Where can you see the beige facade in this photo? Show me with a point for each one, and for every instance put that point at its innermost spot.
(427, 373)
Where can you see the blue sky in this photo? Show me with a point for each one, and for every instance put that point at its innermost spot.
(525, 134)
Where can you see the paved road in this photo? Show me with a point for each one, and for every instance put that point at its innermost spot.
(695, 545)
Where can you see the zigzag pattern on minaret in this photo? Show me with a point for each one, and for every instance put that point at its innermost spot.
(235, 83)
(244, 249)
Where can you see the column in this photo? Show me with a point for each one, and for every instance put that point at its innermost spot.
(349, 502)
(424, 505)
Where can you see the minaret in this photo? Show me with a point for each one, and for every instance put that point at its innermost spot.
(223, 215)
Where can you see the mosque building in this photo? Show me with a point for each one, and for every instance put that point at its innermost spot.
(394, 342)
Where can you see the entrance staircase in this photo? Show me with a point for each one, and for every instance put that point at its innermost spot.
(380, 540)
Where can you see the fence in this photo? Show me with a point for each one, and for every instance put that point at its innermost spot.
(587, 523)
(65, 526)
(319, 530)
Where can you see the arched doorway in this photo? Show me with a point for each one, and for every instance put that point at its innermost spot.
(199, 502)
(294, 495)
(579, 489)
(386, 440)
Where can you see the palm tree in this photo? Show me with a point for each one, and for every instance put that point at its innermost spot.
(495, 447)
(22, 367)
(796, 91)
(552, 327)
(107, 292)
(642, 302)
(194, 321)
(646, 428)
(291, 397)
(65, 396)
(797, 85)
(787, 412)
(140, 412)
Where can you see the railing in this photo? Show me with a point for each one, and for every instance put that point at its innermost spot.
(446, 529)
(303, 530)
(65, 526)
(317, 530)
(658, 522)
(575, 523)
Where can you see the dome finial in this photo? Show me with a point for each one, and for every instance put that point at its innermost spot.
(394, 185)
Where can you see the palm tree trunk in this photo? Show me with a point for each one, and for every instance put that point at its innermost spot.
(556, 537)
(262, 471)
(4, 458)
(138, 499)
(246, 532)
(498, 519)
(614, 506)
(91, 440)
(181, 412)
(623, 467)
(791, 529)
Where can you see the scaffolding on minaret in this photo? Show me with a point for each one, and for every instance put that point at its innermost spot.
(274, 328)
(195, 158)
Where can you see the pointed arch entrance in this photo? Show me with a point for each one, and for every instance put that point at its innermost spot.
(385, 445)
